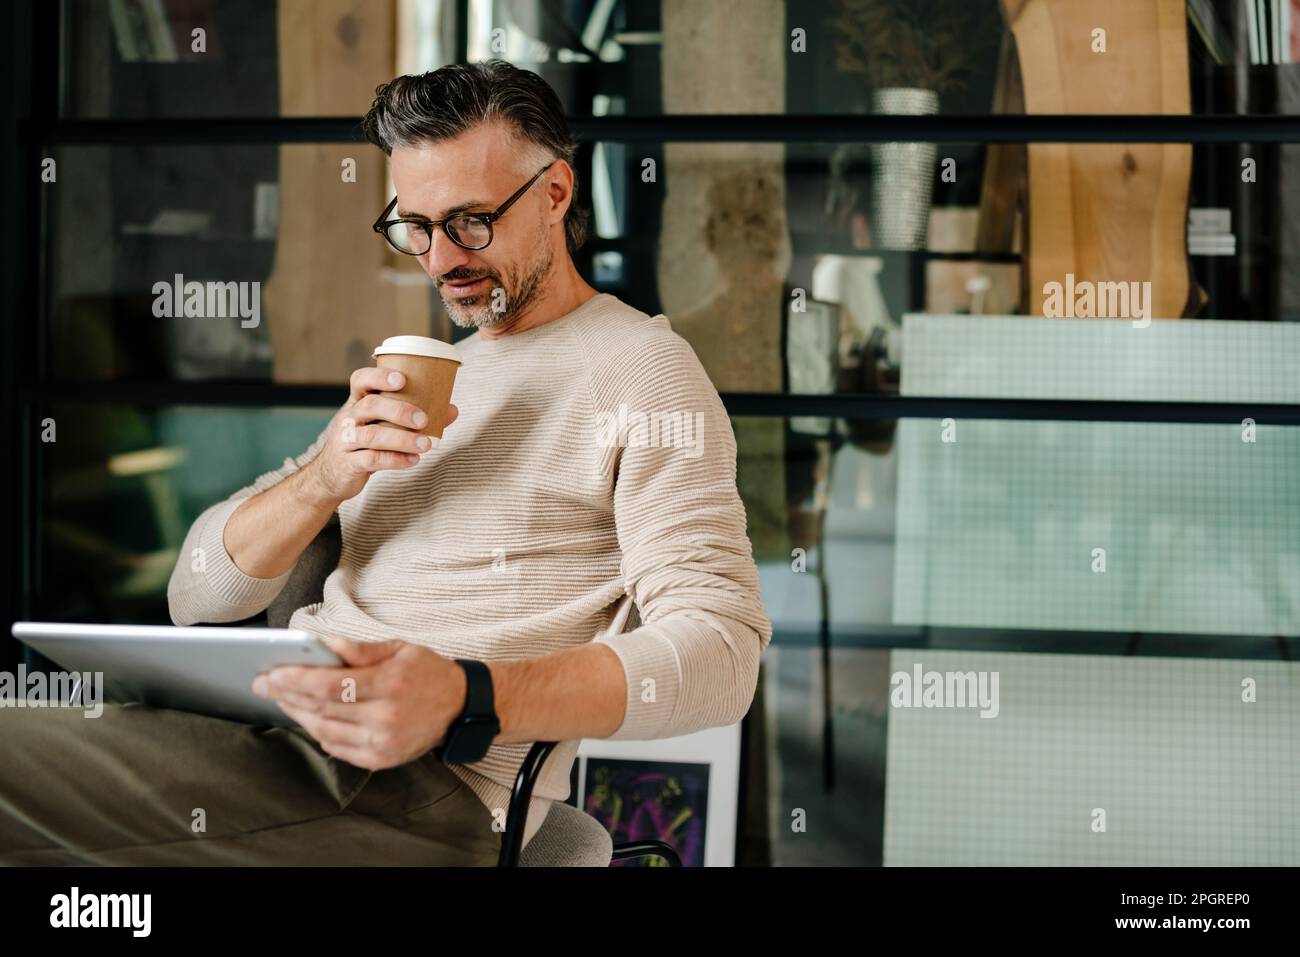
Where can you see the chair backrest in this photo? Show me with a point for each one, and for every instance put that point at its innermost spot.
(569, 837)
(306, 585)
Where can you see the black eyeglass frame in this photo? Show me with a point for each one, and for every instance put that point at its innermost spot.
(382, 225)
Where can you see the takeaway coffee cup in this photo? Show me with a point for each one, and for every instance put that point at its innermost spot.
(430, 368)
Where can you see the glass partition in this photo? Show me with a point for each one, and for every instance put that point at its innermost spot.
(1008, 399)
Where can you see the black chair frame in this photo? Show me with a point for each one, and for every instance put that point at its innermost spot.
(512, 839)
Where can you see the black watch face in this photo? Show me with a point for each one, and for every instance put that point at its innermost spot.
(468, 745)
(471, 737)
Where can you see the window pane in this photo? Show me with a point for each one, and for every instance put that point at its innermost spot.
(231, 262)
(783, 266)
(325, 57)
(121, 486)
(238, 58)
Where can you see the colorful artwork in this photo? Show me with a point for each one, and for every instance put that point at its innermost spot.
(650, 801)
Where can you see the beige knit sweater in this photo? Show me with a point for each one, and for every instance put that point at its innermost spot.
(592, 465)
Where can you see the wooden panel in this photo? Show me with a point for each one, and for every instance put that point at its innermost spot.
(336, 290)
(1106, 212)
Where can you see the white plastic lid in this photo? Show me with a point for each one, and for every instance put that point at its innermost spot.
(417, 346)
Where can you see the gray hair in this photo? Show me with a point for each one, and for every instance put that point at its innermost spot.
(451, 100)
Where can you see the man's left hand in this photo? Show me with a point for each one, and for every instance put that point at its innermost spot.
(391, 702)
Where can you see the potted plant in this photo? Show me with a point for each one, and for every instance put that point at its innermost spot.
(910, 52)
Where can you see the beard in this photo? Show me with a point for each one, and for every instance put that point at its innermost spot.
(506, 299)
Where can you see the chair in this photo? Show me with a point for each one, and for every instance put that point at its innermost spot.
(568, 837)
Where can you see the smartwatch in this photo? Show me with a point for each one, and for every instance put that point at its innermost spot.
(470, 735)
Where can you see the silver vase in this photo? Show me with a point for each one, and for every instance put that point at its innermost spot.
(903, 175)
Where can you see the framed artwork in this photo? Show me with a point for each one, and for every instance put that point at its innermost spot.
(683, 791)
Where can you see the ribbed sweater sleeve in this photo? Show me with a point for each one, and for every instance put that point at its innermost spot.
(206, 586)
(686, 556)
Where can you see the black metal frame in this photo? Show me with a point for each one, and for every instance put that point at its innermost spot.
(512, 841)
(726, 128)
(861, 406)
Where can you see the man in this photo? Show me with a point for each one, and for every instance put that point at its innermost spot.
(505, 559)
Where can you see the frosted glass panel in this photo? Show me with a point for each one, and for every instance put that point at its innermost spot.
(1026, 357)
(1098, 526)
(1185, 772)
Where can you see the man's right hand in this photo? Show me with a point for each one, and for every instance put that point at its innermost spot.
(372, 431)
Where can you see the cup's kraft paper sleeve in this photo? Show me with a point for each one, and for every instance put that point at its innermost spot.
(429, 377)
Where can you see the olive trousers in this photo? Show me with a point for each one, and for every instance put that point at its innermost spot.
(153, 786)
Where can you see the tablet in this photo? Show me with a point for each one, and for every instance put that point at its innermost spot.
(206, 670)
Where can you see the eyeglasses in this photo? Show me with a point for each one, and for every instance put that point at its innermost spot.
(467, 230)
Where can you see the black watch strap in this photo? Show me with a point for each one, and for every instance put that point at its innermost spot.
(470, 735)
